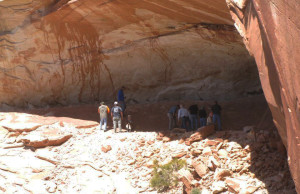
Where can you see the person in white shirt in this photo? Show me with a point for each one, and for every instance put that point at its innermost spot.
(184, 114)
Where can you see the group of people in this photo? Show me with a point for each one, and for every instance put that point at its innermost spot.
(116, 112)
(189, 117)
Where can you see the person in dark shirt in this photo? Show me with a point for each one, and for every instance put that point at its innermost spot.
(202, 115)
(216, 109)
(194, 116)
(172, 116)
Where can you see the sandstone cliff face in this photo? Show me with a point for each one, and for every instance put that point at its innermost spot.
(64, 52)
(270, 29)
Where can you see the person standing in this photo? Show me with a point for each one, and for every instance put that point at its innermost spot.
(103, 110)
(172, 116)
(216, 109)
(194, 116)
(183, 114)
(202, 115)
(117, 116)
(121, 98)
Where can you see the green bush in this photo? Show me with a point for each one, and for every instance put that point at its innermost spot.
(195, 191)
(163, 175)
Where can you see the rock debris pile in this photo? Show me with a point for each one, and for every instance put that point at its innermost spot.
(238, 162)
(89, 161)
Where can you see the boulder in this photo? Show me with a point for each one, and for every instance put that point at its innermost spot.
(179, 154)
(218, 187)
(196, 152)
(166, 139)
(220, 174)
(186, 177)
(207, 151)
(200, 168)
(235, 185)
(222, 153)
(106, 148)
(202, 133)
(211, 142)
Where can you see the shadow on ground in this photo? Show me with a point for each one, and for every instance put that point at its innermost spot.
(250, 111)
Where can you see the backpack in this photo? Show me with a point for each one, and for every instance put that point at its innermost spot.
(116, 111)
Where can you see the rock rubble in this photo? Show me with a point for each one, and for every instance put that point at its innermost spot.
(95, 161)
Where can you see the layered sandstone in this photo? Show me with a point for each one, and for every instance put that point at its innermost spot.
(270, 29)
(66, 52)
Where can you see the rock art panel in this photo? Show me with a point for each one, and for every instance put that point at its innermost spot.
(270, 30)
(66, 52)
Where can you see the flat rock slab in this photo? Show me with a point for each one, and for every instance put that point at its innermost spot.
(23, 122)
(21, 127)
(46, 136)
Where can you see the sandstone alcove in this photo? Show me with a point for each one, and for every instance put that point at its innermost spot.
(83, 52)
(64, 53)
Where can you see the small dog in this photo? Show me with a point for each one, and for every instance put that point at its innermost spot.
(129, 124)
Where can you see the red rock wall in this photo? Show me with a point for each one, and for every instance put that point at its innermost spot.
(67, 52)
(271, 32)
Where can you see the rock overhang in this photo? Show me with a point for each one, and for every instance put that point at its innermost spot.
(67, 52)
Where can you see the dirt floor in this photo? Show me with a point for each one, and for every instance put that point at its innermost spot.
(250, 111)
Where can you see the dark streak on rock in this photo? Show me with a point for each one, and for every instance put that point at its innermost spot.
(194, 26)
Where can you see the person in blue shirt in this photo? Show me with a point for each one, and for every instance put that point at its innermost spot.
(121, 98)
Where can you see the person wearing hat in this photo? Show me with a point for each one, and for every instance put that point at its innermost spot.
(103, 110)
(117, 116)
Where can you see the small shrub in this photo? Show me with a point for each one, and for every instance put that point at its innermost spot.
(195, 191)
(164, 175)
